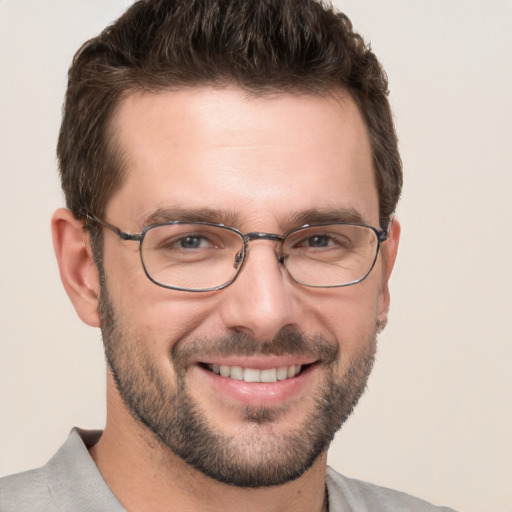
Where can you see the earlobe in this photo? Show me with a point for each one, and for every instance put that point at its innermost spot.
(76, 266)
(389, 251)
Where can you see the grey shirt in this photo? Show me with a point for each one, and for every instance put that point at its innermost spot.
(71, 482)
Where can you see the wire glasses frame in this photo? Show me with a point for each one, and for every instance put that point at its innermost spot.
(194, 254)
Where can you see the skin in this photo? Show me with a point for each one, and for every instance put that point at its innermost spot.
(263, 160)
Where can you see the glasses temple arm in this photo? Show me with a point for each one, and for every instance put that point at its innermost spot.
(121, 234)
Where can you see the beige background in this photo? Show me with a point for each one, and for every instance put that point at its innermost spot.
(437, 419)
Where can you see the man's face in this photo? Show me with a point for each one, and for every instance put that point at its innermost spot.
(258, 164)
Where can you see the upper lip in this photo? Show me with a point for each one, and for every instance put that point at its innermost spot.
(257, 362)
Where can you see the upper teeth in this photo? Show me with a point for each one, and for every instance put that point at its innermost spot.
(253, 375)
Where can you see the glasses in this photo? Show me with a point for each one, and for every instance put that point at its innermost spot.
(202, 257)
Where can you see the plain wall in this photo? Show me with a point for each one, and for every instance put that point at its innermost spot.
(437, 418)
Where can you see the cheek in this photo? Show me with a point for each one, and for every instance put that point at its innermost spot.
(351, 305)
(349, 314)
(143, 306)
(158, 316)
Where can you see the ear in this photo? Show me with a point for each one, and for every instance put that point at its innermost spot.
(77, 269)
(389, 251)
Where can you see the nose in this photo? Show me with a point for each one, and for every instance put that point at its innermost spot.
(261, 301)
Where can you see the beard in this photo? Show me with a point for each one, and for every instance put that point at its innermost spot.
(257, 456)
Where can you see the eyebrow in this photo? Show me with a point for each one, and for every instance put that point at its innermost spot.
(225, 217)
(325, 216)
(230, 218)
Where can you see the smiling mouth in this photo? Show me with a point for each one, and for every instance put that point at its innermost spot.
(255, 375)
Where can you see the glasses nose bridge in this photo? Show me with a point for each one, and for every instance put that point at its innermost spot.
(259, 235)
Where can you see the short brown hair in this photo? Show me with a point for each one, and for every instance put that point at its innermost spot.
(263, 46)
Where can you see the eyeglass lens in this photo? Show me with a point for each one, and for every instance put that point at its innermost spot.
(199, 257)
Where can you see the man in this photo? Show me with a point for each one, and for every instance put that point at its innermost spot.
(230, 171)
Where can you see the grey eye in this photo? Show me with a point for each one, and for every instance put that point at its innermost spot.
(191, 242)
(317, 241)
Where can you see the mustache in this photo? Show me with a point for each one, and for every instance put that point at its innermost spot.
(288, 341)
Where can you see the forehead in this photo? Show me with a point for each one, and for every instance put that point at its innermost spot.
(260, 158)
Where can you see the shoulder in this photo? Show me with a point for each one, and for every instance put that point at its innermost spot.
(27, 492)
(348, 494)
(70, 480)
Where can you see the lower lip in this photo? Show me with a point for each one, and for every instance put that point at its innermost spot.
(258, 394)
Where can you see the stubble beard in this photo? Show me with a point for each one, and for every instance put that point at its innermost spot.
(258, 456)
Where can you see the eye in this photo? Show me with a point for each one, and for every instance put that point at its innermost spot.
(183, 242)
(322, 241)
(318, 241)
(192, 242)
